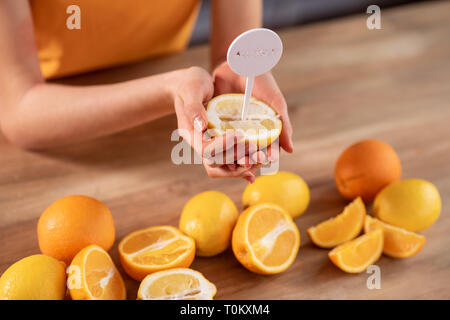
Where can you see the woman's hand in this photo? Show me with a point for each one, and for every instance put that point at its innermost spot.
(193, 88)
(266, 89)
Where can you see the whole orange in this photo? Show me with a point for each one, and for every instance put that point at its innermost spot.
(72, 223)
(366, 167)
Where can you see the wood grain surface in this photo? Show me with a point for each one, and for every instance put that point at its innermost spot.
(342, 83)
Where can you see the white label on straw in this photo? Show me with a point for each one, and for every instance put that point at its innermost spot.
(252, 53)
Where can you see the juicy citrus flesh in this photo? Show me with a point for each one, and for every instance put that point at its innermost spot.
(261, 126)
(357, 255)
(93, 276)
(398, 242)
(344, 227)
(411, 204)
(265, 239)
(291, 193)
(176, 284)
(37, 277)
(72, 223)
(154, 249)
(209, 218)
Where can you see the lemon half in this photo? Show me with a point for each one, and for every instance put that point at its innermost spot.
(262, 125)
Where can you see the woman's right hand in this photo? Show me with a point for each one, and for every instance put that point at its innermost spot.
(193, 88)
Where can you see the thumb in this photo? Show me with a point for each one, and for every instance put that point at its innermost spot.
(193, 97)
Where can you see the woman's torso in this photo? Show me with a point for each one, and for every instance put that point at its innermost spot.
(111, 33)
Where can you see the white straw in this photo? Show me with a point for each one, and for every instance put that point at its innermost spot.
(247, 96)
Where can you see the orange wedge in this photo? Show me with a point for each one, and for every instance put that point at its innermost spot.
(344, 227)
(92, 275)
(176, 284)
(265, 239)
(357, 255)
(154, 249)
(398, 242)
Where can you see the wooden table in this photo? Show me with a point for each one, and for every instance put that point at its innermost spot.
(342, 83)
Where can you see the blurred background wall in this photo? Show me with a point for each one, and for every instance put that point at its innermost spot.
(284, 13)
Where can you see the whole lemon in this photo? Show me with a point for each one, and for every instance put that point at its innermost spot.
(36, 277)
(285, 189)
(412, 204)
(366, 167)
(209, 218)
(72, 223)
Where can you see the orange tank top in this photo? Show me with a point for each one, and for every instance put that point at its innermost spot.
(112, 32)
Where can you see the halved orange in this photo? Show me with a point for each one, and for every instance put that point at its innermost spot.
(398, 242)
(176, 284)
(357, 255)
(92, 275)
(154, 249)
(265, 239)
(344, 227)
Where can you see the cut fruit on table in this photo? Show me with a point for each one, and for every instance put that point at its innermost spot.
(262, 125)
(344, 227)
(398, 242)
(154, 249)
(357, 255)
(176, 284)
(92, 275)
(265, 239)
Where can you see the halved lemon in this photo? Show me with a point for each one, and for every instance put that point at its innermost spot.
(265, 239)
(357, 255)
(92, 275)
(398, 242)
(345, 226)
(154, 249)
(176, 284)
(262, 125)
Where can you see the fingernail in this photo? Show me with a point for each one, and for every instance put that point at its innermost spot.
(198, 124)
(259, 157)
(250, 179)
(243, 163)
(249, 174)
(264, 158)
(206, 136)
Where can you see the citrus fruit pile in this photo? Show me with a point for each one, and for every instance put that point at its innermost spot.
(371, 170)
(75, 233)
